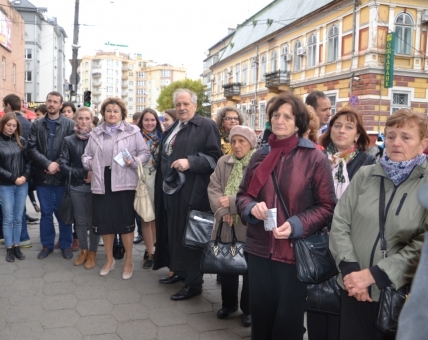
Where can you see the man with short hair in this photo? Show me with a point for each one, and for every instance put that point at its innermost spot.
(322, 106)
(191, 146)
(44, 148)
(136, 117)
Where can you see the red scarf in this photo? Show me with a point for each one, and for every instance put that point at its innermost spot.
(278, 147)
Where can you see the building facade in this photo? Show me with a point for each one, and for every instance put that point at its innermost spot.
(12, 45)
(113, 74)
(44, 52)
(329, 46)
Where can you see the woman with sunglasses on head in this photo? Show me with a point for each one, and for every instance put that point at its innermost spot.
(227, 118)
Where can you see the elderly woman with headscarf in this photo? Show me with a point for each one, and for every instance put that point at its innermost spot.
(222, 190)
(227, 118)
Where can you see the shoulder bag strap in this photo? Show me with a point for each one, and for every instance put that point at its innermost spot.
(69, 180)
(275, 183)
(382, 218)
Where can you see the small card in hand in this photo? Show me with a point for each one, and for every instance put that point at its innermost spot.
(270, 222)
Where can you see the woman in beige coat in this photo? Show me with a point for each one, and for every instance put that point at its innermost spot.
(222, 190)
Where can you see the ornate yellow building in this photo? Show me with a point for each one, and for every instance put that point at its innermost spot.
(335, 46)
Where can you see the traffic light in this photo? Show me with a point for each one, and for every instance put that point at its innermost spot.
(87, 98)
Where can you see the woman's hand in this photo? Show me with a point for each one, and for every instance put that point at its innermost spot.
(20, 180)
(128, 162)
(283, 232)
(259, 211)
(88, 179)
(356, 281)
(223, 202)
(228, 219)
(181, 164)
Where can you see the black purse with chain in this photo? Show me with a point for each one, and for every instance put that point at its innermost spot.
(226, 258)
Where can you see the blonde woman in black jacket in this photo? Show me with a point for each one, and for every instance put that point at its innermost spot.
(15, 169)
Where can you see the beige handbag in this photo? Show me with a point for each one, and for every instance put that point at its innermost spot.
(142, 203)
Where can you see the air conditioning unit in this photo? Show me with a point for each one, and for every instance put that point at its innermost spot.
(288, 57)
(301, 51)
(253, 102)
(229, 70)
(425, 17)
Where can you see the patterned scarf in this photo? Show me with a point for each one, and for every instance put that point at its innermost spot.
(226, 148)
(153, 140)
(82, 134)
(398, 172)
(236, 176)
(111, 129)
(340, 159)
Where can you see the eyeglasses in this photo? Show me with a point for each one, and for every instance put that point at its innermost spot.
(231, 118)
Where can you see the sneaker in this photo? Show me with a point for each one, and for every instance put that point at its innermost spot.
(149, 263)
(25, 244)
(138, 239)
(101, 242)
(75, 246)
(31, 220)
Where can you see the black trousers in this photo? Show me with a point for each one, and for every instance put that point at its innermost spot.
(322, 326)
(229, 292)
(277, 300)
(192, 279)
(357, 319)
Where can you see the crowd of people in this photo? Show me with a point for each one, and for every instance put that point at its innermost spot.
(308, 168)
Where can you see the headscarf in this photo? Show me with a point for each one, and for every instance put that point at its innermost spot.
(398, 172)
(338, 161)
(279, 147)
(153, 140)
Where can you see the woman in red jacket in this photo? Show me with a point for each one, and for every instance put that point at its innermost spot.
(277, 297)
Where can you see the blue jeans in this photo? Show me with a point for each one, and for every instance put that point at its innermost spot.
(13, 199)
(50, 199)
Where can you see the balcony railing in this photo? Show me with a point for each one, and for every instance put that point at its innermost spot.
(96, 75)
(96, 83)
(232, 89)
(277, 78)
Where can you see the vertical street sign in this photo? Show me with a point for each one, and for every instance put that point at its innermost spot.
(389, 61)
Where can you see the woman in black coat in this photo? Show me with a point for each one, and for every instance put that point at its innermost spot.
(345, 143)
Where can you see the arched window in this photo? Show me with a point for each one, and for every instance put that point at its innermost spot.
(333, 43)
(284, 56)
(312, 50)
(273, 61)
(263, 67)
(297, 58)
(403, 32)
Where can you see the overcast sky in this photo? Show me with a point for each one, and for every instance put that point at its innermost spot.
(166, 31)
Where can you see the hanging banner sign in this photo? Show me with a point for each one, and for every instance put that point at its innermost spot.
(389, 61)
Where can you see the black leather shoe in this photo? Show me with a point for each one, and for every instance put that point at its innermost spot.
(18, 254)
(67, 253)
(31, 220)
(138, 239)
(44, 253)
(171, 280)
(10, 255)
(246, 320)
(223, 313)
(186, 293)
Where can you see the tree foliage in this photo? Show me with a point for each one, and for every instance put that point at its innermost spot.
(165, 98)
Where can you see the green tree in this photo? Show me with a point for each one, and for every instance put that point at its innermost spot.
(165, 98)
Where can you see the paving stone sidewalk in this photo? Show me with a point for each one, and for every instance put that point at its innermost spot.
(53, 299)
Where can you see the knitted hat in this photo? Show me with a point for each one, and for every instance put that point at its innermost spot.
(245, 132)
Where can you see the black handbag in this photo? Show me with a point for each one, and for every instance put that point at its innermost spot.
(225, 258)
(314, 262)
(324, 297)
(66, 210)
(199, 227)
(391, 300)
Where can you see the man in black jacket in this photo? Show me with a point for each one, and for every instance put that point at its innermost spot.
(12, 103)
(44, 148)
(191, 146)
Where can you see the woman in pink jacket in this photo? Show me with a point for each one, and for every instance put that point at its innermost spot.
(112, 154)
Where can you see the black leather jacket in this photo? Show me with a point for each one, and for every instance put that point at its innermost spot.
(14, 161)
(38, 149)
(71, 157)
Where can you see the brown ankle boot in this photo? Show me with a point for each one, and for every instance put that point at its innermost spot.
(82, 257)
(91, 260)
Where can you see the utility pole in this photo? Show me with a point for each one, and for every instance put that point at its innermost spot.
(75, 47)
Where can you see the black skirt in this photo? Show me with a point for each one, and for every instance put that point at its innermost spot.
(113, 212)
